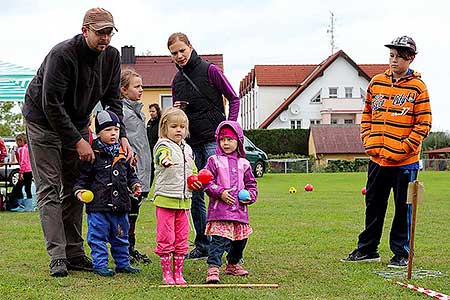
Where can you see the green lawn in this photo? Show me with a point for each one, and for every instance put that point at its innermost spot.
(297, 243)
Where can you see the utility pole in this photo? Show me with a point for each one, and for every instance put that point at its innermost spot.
(331, 30)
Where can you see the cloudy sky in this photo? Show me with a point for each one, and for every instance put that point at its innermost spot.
(247, 32)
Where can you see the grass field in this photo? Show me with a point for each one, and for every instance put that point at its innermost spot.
(297, 243)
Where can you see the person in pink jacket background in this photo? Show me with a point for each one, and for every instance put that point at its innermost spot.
(230, 192)
(25, 176)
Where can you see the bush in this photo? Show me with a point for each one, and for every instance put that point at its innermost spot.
(280, 141)
(358, 165)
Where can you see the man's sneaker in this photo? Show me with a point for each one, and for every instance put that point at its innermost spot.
(105, 272)
(128, 270)
(137, 257)
(58, 268)
(357, 256)
(398, 262)
(197, 254)
(79, 263)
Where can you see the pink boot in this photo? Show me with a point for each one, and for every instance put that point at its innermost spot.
(178, 264)
(166, 267)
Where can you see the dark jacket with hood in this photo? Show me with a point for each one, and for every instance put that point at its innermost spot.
(71, 80)
(230, 171)
(205, 110)
(110, 179)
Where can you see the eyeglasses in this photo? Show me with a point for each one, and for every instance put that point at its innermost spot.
(104, 32)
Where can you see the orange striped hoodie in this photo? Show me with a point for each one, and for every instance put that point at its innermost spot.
(396, 118)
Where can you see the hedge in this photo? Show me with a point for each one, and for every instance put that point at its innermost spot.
(280, 141)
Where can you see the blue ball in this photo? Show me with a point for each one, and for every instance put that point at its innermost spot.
(244, 195)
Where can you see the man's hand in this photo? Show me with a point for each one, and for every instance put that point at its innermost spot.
(227, 198)
(126, 147)
(84, 150)
(137, 190)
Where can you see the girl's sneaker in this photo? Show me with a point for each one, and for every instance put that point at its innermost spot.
(235, 270)
(213, 275)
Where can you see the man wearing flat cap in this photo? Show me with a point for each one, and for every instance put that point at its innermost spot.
(74, 76)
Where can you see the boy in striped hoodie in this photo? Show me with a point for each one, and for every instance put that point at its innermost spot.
(395, 120)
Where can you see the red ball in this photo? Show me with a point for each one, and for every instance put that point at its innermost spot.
(363, 191)
(205, 176)
(308, 187)
(190, 181)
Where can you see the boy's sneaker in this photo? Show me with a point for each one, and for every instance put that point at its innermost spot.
(58, 268)
(137, 257)
(79, 263)
(105, 272)
(128, 270)
(196, 254)
(398, 262)
(357, 256)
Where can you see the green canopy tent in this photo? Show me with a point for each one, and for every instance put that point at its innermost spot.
(14, 81)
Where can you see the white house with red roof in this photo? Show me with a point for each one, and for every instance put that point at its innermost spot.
(296, 96)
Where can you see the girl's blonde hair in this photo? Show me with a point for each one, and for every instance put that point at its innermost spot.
(172, 115)
(21, 137)
(125, 79)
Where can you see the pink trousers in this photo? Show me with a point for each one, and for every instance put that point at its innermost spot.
(172, 231)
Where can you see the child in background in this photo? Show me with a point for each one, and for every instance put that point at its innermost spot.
(227, 212)
(134, 122)
(174, 163)
(109, 177)
(25, 177)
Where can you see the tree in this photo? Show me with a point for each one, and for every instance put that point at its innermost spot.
(11, 123)
(436, 140)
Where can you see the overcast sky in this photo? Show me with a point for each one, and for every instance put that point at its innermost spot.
(247, 32)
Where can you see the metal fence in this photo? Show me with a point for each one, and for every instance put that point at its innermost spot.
(305, 165)
(435, 164)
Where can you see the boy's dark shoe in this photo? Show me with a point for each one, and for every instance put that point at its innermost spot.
(105, 272)
(58, 268)
(197, 254)
(79, 263)
(128, 270)
(357, 256)
(398, 262)
(137, 257)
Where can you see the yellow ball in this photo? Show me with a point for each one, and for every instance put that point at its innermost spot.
(292, 190)
(87, 196)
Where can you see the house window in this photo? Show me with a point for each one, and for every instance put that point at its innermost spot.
(332, 91)
(363, 93)
(349, 92)
(316, 98)
(166, 102)
(314, 122)
(348, 121)
(296, 124)
(333, 121)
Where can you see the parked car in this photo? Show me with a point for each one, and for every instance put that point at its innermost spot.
(13, 171)
(256, 157)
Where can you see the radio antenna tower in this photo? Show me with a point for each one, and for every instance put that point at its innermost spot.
(331, 30)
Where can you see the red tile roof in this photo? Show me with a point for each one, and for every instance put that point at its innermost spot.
(335, 139)
(158, 71)
(373, 69)
(318, 71)
(282, 75)
(438, 151)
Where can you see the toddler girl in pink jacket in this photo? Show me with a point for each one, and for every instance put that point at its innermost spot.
(230, 192)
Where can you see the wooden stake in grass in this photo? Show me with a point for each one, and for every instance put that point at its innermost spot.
(415, 194)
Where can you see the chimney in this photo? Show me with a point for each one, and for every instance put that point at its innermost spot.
(128, 56)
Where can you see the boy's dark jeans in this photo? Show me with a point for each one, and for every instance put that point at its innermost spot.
(219, 245)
